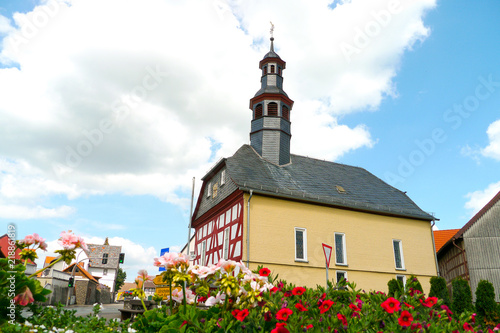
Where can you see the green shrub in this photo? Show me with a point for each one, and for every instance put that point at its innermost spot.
(439, 289)
(485, 301)
(395, 287)
(462, 296)
(414, 285)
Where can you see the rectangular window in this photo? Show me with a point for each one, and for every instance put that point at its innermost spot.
(341, 275)
(209, 189)
(401, 278)
(225, 246)
(104, 258)
(398, 253)
(300, 244)
(223, 177)
(340, 252)
(203, 252)
(105, 271)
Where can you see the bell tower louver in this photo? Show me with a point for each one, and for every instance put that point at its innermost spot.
(270, 131)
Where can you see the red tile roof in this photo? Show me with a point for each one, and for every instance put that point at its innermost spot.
(441, 237)
(82, 270)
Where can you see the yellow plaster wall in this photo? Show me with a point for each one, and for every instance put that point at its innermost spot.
(370, 255)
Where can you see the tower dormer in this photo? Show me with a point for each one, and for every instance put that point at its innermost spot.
(270, 131)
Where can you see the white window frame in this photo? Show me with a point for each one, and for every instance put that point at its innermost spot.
(225, 246)
(209, 189)
(105, 271)
(344, 263)
(343, 272)
(404, 279)
(222, 177)
(304, 243)
(203, 253)
(400, 244)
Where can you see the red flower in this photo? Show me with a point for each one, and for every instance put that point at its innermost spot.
(408, 305)
(429, 302)
(274, 290)
(298, 291)
(300, 307)
(325, 306)
(287, 293)
(405, 319)
(280, 329)
(268, 316)
(342, 318)
(468, 327)
(240, 314)
(264, 271)
(354, 307)
(416, 326)
(283, 314)
(390, 305)
(24, 298)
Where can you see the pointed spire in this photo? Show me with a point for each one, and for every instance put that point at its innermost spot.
(272, 37)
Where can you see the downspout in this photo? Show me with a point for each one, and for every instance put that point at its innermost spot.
(248, 228)
(433, 223)
(464, 258)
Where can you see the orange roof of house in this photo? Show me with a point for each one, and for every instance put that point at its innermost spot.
(441, 237)
(82, 270)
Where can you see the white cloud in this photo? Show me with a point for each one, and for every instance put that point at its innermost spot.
(147, 96)
(478, 199)
(493, 148)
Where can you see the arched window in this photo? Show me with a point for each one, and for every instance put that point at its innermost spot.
(285, 113)
(264, 70)
(258, 111)
(272, 109)
(272, 68)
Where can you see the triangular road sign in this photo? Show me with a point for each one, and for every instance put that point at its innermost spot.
(327, 249)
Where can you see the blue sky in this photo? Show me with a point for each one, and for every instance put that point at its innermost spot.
(154, 94)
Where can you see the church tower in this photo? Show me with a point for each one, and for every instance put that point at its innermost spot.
(270, 131)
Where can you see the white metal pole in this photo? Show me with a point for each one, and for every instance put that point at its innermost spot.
(190, 219)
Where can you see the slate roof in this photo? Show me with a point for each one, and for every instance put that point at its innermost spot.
(313, 180)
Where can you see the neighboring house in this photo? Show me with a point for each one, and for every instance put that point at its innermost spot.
(268, 207)
(56, 280)
(103, 262)
(6, 252)
(473, 252)
(86, 285)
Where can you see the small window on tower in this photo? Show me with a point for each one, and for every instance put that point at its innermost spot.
(285, 112)
(279, 70)
(272, 68)
(258, 111)
(272, 109)
(264, 70)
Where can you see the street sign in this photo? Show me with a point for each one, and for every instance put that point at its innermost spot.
(327, 249)
(162, 252)
(158, 280)
(163, 292)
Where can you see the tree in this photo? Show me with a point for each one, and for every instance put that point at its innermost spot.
(439, 289)
(462, 296)
(485, 301)
(121, 275)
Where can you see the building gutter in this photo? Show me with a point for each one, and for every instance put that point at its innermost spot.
(248, 228)
(433, 223)
(464, 258)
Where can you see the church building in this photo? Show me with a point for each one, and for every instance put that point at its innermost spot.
(266, 206)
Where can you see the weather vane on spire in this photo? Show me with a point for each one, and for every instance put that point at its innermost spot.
(272, 29)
